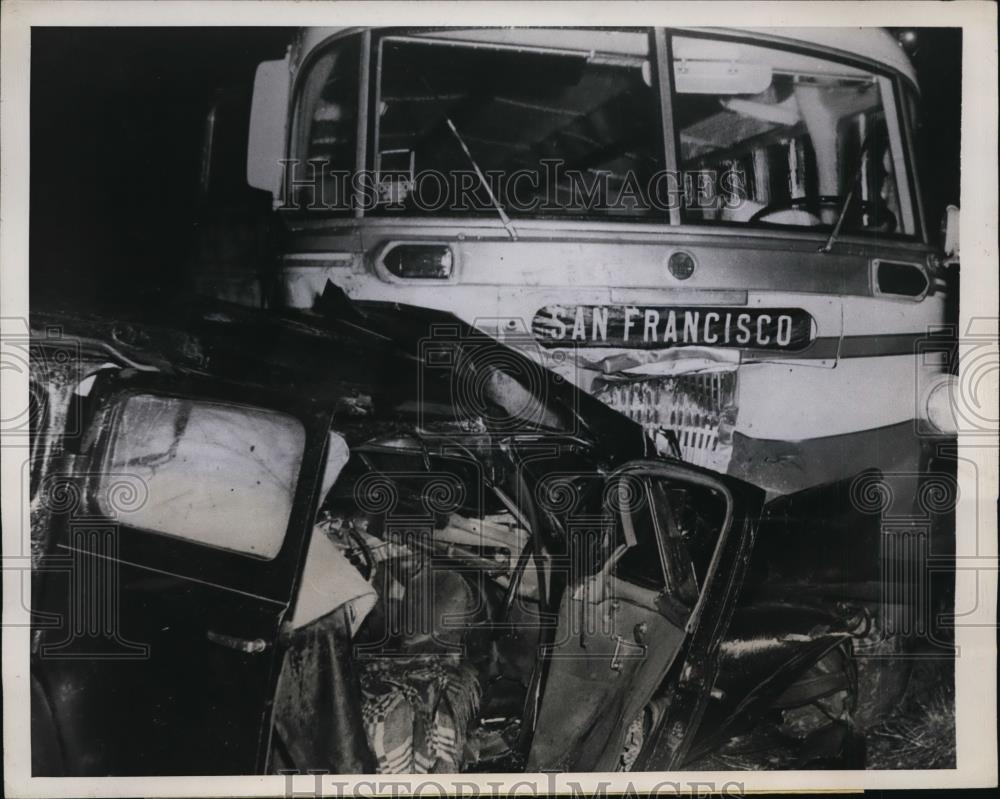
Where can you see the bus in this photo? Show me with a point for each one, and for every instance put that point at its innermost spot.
(716, 231)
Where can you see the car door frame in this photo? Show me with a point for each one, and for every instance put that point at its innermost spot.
(670, 740)
(265, 582)
(708, 618)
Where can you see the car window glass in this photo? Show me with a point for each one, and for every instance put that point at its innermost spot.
(635, 528)
(220, 475)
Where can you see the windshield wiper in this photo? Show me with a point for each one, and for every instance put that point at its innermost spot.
(848, 198)
(504, 219)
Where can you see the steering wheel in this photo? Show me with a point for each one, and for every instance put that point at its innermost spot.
(877, 209)
(366, 553)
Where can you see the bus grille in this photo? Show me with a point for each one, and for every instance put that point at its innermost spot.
(699, 409)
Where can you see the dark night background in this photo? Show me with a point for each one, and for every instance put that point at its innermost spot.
(117, 122)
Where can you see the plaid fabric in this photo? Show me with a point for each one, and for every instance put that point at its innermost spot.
(416, 712)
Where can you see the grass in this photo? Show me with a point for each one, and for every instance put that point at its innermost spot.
(921, 732)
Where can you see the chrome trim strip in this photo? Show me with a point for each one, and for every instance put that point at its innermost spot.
(665, 92)
(298, 222)
(361, 144)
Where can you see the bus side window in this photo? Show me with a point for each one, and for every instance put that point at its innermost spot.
(325, 129)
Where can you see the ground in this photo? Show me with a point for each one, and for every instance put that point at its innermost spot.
(921, 732)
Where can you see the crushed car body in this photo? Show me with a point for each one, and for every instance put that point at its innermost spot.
(368, 538)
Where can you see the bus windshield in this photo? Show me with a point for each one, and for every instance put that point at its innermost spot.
(549, 132)
(786, 138)
(570, 124)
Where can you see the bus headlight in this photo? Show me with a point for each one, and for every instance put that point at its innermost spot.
(937, 405)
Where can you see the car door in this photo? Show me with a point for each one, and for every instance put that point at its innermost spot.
(176, 545)
(678, 537)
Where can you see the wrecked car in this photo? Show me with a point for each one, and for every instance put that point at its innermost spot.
(368, 538)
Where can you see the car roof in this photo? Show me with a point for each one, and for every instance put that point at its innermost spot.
(341, 351)
(236, 344)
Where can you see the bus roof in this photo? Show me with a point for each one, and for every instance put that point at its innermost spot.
(872, 44)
